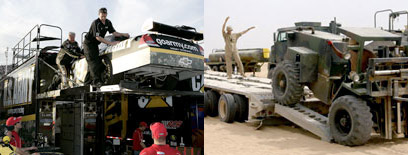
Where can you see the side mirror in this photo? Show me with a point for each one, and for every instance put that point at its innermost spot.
(274, 37)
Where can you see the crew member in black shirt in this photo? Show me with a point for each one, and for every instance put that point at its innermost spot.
(93, 38)
(69, 51)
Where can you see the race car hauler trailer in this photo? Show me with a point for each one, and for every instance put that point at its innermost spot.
(103, 121)
(174, 84)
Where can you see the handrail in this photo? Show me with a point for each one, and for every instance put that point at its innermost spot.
(19, 55)
(375, 16)
(392, 17)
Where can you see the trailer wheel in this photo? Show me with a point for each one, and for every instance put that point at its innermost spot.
(212, 102)
(242, 108)
(223, 68)
(350, 121)
(206, 104)
(227, 108)
(214, 68)
(285, 86)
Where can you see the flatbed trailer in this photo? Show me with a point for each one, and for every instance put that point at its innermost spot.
(254, 103)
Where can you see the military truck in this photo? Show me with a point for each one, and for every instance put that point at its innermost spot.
(251, 58)
(356, 76)
(363, 89)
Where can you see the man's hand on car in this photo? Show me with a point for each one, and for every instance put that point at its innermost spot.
(126, 35)
(114, 43)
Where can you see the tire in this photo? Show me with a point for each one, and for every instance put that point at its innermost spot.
(214, 68)
(206, 104)
(350, 121)
(270, 73)
(242, 108)
(212, 99)
(223, 68)
(107, 73)
(227, 108)
(285, 86)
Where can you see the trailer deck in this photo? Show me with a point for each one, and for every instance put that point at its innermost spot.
(261, 103)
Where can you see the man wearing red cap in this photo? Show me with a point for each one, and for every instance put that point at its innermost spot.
(159, 133)
(14, 123)
(138, 144)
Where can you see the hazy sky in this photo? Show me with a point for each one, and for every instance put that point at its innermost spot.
(19, 16)
(269, 15)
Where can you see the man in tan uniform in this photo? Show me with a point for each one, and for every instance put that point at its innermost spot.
(231, 48)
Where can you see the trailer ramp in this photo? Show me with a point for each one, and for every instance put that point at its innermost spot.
(307, 119)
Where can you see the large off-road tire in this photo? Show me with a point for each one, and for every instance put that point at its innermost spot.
(242, 108)
(350, 121)
(212, 102)
(227, 108)
(285, 86)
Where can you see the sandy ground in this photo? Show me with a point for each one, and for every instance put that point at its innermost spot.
(241, 138)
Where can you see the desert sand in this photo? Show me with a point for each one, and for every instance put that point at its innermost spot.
(240, 138)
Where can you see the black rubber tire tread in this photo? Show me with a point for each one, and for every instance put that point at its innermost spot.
(294, 90)
(230, 108)
(206, 104)
(212, 98)
(214, 68)
(361, 120)
(242, 108)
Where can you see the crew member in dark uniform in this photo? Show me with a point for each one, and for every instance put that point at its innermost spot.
(69, 51)
(93, 38)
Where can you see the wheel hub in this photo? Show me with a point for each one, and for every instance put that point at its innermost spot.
(282, 83)
(343, 121)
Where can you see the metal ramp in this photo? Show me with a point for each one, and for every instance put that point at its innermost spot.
(307, 119)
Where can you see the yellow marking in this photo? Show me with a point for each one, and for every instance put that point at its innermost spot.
(124, 114)
(113, 121)
(266, 52)
(109, 116)
(16, 105)
(104, 107)
(111, 106)
(156, 101)
(153, 49)
(202, 89)
(28, 118)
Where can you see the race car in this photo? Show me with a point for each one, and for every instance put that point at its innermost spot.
(160, 58)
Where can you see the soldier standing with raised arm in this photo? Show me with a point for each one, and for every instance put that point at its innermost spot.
(231, 48)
